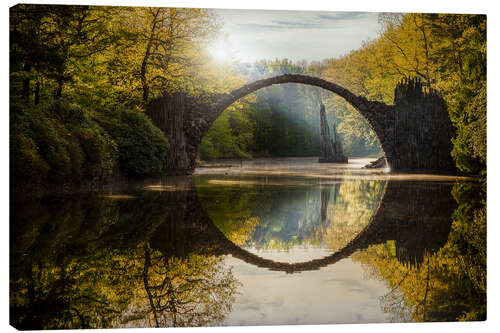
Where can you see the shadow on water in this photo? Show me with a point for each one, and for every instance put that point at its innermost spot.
(155, 257)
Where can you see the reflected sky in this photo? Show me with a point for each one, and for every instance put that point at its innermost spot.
(334, 294)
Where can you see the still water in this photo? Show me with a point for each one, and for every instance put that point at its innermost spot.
(268, 241)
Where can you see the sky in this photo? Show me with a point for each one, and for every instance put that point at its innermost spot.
(252, 35)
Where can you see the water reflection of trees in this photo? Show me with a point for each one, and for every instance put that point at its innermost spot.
(350, 211)
(88, 263)
(94, 262)
(194, 291)
(280, 217)
(445, 285)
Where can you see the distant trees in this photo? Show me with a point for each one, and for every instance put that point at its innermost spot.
(284, 119)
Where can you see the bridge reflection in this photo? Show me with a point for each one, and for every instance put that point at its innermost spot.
(416, 215)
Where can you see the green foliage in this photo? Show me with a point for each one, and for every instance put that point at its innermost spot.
(26, 162)
(468, 238)
(58, 143)
(461, 58)
(447, 52)
(359, 139)
(49, 43)
(231, 136)
(142, 147)
(284, 119)
(450, 284)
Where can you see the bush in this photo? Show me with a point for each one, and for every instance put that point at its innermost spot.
(58, 143)
(26, 164)
(142, 147)
(63, 144)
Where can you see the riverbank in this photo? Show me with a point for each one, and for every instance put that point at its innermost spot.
(297, 167)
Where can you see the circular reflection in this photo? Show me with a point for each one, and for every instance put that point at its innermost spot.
(289, 220)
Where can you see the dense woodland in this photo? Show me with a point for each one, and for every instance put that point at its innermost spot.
(82, 76)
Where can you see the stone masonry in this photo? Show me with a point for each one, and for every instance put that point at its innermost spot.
(414, 133)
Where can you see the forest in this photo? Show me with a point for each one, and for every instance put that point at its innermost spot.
(81, 78)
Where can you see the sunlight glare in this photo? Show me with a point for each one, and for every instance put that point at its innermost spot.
(220, 51)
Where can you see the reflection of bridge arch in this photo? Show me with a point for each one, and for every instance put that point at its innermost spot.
(417, 215)
(359, 242)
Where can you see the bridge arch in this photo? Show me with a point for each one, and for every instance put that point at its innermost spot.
(414, 133)
(375, 113)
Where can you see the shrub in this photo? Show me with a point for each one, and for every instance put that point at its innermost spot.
(26, 163)
(142, 147)
(61, 143)
(58, 143)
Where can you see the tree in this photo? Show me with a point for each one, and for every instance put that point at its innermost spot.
(446, 51)
(163, 50)
(48, 42)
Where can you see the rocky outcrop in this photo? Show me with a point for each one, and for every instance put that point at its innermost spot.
(378, 163)
(331, 148)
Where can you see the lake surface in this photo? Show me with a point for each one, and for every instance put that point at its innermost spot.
(267, 241)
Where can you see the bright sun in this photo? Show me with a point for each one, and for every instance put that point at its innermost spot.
(220, 51)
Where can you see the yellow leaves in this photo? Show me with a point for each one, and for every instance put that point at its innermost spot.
(442, 287)
(161, 49)
(350, 213)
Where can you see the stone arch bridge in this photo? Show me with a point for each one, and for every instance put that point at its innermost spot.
(414, 133)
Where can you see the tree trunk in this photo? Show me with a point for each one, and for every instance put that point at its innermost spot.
(145, 59)
(58, 93)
